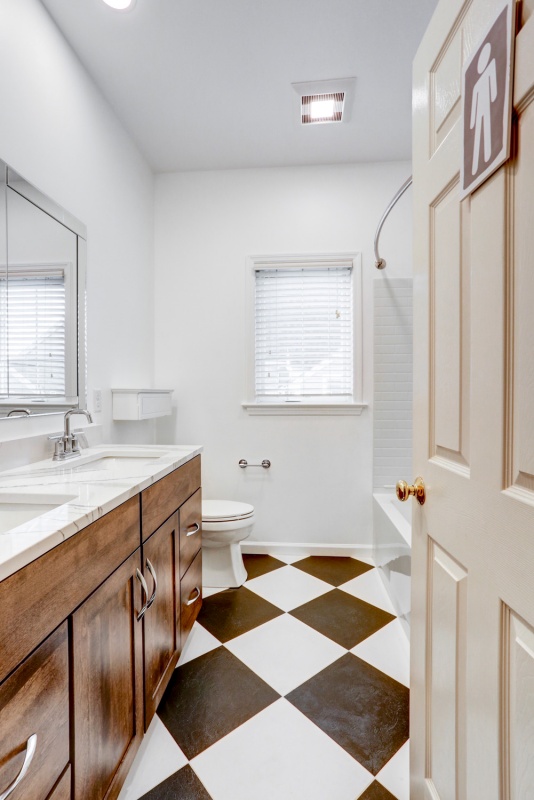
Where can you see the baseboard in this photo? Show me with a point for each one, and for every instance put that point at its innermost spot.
(361, 551)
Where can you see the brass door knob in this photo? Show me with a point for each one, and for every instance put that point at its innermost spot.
(404, 490)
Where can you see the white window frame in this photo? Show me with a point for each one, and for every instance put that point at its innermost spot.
(353, 405)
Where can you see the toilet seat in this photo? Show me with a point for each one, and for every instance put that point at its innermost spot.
(225, 511)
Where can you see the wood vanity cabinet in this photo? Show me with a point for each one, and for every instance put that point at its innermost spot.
(86, 653)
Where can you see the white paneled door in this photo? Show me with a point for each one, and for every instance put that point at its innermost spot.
(472, 715)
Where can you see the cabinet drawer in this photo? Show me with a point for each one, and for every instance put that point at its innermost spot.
(35, 700)
(162, 499)
(38, 597)
(190, 597)
(190, 530)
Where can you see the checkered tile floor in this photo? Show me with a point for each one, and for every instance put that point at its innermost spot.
(293, 687)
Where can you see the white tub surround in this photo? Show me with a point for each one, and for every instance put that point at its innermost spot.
(392, 533)
(78, 492)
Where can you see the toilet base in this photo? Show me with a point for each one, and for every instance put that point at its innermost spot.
(222, 567)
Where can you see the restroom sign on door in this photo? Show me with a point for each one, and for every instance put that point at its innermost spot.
(487, 106)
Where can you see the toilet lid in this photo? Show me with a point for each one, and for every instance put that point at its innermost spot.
(225, 510)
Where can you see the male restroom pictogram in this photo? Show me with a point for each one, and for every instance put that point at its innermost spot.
(486, 91)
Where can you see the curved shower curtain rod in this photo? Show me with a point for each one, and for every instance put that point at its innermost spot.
(380, 262)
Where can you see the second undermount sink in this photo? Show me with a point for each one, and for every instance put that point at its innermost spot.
(18, 509)
(114, 459)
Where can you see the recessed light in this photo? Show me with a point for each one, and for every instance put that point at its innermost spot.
(120, 5)
(322, 108)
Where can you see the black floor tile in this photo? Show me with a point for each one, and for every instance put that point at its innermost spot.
(342, 617)
(376, 792)
(183, 785)
(257, 565)
(361, 708)
(332, 569)
(209, 697)
(235, 611)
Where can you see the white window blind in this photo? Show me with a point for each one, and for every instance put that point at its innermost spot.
(303, 332)
(35, 332)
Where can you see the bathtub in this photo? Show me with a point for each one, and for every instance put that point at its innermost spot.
(392, 543)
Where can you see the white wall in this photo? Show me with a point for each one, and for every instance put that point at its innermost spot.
(59, 133)
(319, 487)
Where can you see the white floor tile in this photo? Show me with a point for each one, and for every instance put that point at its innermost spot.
(395, 776)
(207, 591)
(288, 558)
(288, 587)
(387, 650)
(280, 754)
(200, 641)
(285, 652)
(369, 587)
(158, 757)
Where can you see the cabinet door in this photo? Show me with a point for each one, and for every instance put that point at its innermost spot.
(107, 684)
(34, 721)
(62, 790)
(161, 620)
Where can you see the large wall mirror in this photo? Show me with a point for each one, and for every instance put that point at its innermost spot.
(42, 302)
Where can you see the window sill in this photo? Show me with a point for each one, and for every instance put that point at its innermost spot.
(304, 409)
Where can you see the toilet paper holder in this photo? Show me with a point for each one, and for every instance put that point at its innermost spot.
(243, 463)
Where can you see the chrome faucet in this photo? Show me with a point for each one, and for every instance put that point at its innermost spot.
(68, 446)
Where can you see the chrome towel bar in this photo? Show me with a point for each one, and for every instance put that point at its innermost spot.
(243, 463)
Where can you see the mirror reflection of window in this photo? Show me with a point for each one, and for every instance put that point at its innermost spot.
(3, 294)
(38, 293)
(36, 331)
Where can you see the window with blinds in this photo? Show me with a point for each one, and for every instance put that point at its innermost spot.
(303, 333)
(33, 333)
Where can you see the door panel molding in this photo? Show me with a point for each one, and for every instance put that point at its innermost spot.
(445, 678)
(517, 706)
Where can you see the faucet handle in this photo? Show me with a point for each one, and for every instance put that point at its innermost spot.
(59, 447)
(80, 438)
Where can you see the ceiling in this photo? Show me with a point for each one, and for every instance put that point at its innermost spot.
(206, 84)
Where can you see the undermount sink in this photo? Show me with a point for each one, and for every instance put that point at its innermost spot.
(17, 509)
(112, 459)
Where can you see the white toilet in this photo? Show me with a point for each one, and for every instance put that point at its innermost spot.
(225, 523)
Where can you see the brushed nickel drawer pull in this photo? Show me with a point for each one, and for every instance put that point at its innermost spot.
(31, 745)
(192, 529)
(141, 579)
(153, 573)
(189, 603)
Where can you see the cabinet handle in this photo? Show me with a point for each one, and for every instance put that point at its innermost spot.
(189, 603)
(192, 529)
(141, 579)
(153, 573)
(31, 744)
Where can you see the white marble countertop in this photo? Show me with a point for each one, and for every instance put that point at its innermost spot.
(82, 490)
